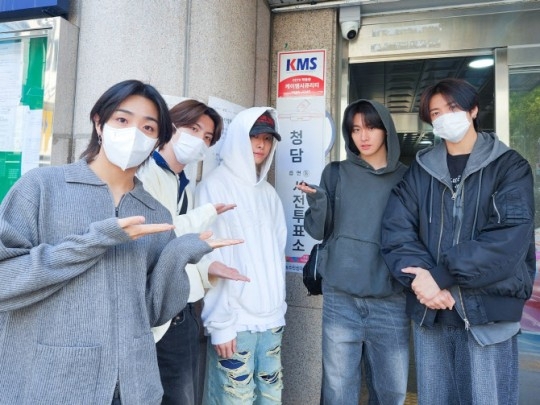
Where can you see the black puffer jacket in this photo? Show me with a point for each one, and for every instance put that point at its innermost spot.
(480, 239)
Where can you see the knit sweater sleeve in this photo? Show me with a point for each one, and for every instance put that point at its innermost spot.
(167, 288)
(32, 270)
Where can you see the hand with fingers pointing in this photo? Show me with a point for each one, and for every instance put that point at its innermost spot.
(136, 228)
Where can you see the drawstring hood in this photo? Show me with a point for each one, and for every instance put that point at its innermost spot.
(433, 160)
(486, 149)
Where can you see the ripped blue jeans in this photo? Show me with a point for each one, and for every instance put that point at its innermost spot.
(252, 376)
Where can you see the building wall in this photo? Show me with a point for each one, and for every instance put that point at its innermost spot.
(183, 47)
(301, 352)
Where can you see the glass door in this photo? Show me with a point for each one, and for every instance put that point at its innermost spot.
(524, 119)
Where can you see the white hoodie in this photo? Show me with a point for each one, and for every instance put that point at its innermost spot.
(258, 219)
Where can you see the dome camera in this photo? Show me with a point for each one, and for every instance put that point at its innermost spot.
(349, 29)
(349, 21)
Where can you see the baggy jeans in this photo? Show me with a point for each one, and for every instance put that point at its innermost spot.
(452, 368)
(252, 376)
(373, 330)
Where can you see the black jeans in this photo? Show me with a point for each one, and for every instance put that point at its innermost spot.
(178, 359)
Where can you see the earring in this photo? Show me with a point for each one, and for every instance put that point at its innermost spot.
(99, 140)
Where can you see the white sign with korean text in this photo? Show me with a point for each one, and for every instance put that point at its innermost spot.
(300, 155)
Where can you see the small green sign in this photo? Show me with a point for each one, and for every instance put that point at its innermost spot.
(32, 91)
(10, 171)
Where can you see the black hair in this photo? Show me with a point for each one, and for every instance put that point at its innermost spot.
(370, 116)
(453, 90)
(108, 103)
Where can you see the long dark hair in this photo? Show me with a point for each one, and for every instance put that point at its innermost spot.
(188, 112)
(453, 90)
(112, 98)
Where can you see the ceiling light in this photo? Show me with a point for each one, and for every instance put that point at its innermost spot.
(481, 63)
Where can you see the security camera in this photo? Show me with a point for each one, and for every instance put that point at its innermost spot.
(349, 21)
(349, 29)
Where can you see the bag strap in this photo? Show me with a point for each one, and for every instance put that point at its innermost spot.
(334, 179)
(332, 191)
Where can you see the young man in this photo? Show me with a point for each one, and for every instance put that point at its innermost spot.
(89, 262)
(363, 307)
(197, 127)
(458, 233)
(245, 320)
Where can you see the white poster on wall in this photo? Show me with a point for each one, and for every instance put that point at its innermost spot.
(32, 122)
(11, 77)
(300, 155)
(11, 72)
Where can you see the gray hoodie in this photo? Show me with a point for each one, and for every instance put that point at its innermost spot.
(353, 260)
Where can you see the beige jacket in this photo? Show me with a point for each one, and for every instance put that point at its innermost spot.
(162, 184)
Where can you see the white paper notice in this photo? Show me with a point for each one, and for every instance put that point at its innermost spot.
(11, 63)
(11, 72)
(31, 141)
(7, 128)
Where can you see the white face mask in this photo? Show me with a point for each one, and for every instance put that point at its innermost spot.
(126, 147)
(451, 126)
(189, 148)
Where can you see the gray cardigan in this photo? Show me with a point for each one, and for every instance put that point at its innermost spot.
(77, 296)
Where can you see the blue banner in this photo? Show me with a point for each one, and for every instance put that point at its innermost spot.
(26, 9)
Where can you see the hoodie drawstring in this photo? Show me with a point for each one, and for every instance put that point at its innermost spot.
(430, 199)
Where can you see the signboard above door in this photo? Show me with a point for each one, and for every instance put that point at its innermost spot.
(376, 7)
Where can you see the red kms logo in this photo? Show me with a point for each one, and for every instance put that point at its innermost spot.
(301, 64)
